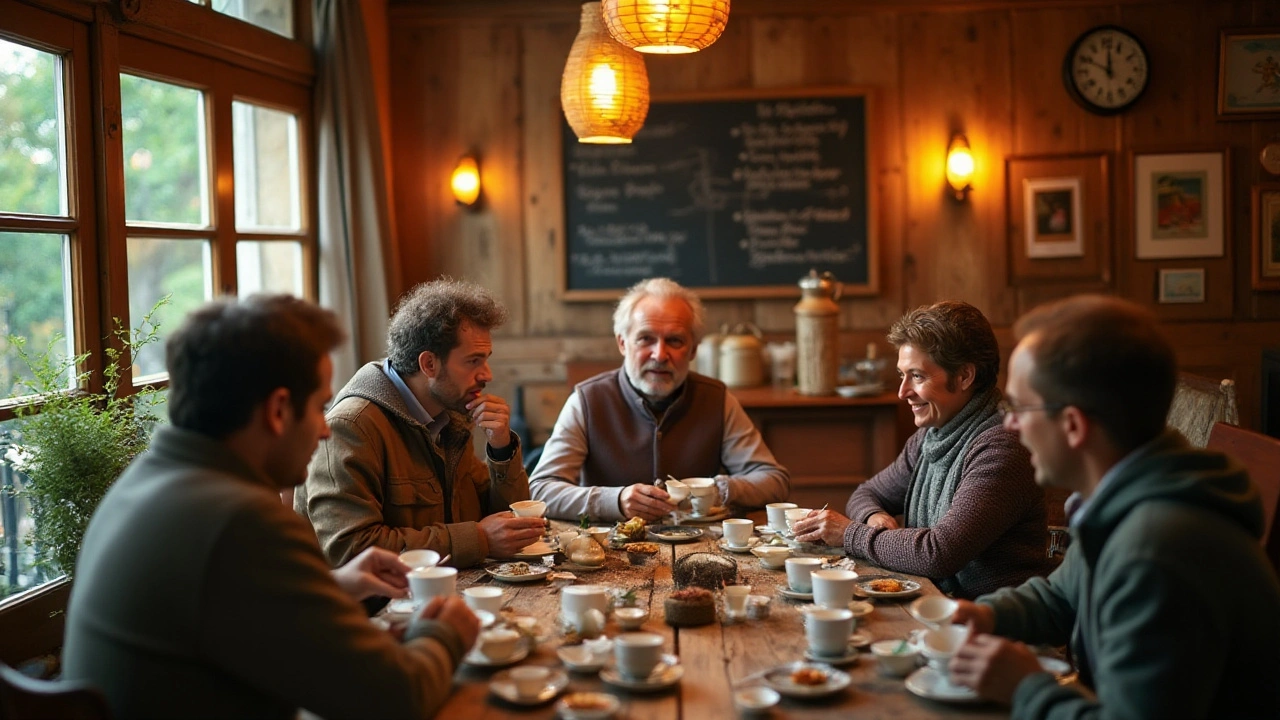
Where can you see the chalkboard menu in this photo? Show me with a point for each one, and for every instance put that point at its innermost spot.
(734, 197)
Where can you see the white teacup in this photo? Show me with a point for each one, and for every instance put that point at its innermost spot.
(795, 515)
(772, 556)
(776, 513)
(426, 583)
(735, 599)
(737, 531)
(799, 571)
(833, 588)
(939, 645)
(484, 597)
(630, 618)
(498, 644)
(676, 492)
(421, 558)
(637, 653)
(576, 599)
(895, 657)
(934, 611)
(528, 508)
(702, 504)
(530, 680)
(700, 487)
(828, 630)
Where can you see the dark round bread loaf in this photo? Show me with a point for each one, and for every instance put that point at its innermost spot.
(689, 608)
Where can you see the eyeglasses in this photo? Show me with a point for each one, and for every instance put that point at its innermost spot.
(1007, 408)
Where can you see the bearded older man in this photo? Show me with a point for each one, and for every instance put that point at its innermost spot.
(652, 418)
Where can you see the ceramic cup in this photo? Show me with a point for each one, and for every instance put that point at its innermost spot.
(426, 583)
(735, 599)
(630, 618)
(776, 513)
(498, 644)
(895, 657)
(833, 588)
(938, 646)
(576, 599)
(676, 492)
(828, 630)
(700, 487)
(421, 558)
(637, 653)
(528, 508)
(793, 516)
(737, 532)
(484, 597)
(702, 504)
(529, 680)
(799, 571)
(935, 611)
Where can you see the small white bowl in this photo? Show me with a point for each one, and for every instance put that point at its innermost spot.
(529, 508)
(898, 664)
(934, 610)
(630, 618)
(773, 557)
(422, 558)
(755, 699)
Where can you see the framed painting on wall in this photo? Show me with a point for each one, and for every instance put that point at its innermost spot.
(1179, 205)
(1181, 286)
(1249, 74)
(1058, 218)
(1266, 237)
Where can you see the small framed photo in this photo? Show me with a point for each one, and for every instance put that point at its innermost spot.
(1181, 286)
(1266, 237)
(1179, 204)
(1058, 218)
(1249, 74)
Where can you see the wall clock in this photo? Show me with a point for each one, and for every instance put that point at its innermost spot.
(1106, 70)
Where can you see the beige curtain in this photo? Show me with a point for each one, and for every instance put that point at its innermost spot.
(354, 224)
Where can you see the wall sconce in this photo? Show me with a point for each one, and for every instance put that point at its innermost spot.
(959, 166)
(666, 27)
(466, 181)
(605, 88)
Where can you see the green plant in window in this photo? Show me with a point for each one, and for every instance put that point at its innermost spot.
(72, 445)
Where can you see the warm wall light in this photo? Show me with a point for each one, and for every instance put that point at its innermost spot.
(466, 181)
(666, 27)
(605, 87)
(959, 166)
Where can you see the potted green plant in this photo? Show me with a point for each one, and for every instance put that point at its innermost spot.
(73, 444)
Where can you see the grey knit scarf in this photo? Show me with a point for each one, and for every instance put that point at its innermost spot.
(937, 472)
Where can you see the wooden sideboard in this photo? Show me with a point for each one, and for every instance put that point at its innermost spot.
(830, 444)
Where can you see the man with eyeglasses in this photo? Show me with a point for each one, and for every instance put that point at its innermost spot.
(1165, 596)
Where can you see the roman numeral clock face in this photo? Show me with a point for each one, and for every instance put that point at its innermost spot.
(1106, 70)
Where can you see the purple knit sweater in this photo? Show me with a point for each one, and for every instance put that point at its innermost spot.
(993, 536)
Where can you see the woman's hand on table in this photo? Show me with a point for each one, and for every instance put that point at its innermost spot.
(994, 666)
(508, 534)
(373, 572)
(644, 501)
(824, 526)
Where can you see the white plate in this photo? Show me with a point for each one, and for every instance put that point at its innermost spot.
(860, 390)
(793, 595)
(579, 658)
(861, 608)
(909, 588)
(475, 658)
(667, 673)
(675, 533)
(930, 684)
(717, 513)
(849, 657)
(779, 679)
(536, 572)
(504, 687)
(724, 545)
(609, 702)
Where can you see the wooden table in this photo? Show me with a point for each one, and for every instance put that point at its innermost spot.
(713, 656)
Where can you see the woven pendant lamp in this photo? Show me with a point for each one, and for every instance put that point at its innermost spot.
(666, 27)
(605, 87)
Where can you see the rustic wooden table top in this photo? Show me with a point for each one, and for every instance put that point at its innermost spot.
(714, 657)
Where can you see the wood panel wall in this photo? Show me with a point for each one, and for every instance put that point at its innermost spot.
(484, 76)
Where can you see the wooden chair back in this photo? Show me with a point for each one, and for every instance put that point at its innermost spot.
(24, 698)
(1198, 403)
(1260, 455)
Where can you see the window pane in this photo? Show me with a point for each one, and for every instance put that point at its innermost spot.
(271, 267)
(34, 303)
(17, 560)
(166, 160)
(273, 15)
(181, 268)
(266, 159)
(33, 176)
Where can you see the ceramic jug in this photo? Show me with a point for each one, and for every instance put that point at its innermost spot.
(708, 357)
(817, 334)
(742, 357)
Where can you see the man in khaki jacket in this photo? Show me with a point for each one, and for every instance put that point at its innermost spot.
(399, 472)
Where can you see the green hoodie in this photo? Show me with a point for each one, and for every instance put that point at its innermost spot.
(1165, 596)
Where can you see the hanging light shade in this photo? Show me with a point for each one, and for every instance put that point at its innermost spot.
(605, 87)
(666, 27)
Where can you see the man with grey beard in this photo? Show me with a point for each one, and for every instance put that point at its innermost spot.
(651, 418)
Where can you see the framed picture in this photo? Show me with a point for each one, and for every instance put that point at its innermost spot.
(1249, 74)
(1179, 204)
(1181, 286)
(1266, 237)
(1058, 218)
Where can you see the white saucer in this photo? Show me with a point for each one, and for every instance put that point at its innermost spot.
(668, 673)
(849, 657)
(724, 545)
(503, 686)
(765, 530)
(779, 679)
(793, 595)
(861, 608)
(716, 514)
(579, 658)
(932, 685)
(475, 658)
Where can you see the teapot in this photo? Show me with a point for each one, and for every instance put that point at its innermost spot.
(741, 356)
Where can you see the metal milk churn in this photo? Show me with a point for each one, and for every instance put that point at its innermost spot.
(742, 357)
(818, 334)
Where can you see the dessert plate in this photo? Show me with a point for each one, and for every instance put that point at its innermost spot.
(724, 545)
(932, 685)
(675, 533)
(514, 573)
(782, 679)
(848, 657)
(475, 658)
(909, 588)
(504, 687)
(793, 595)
